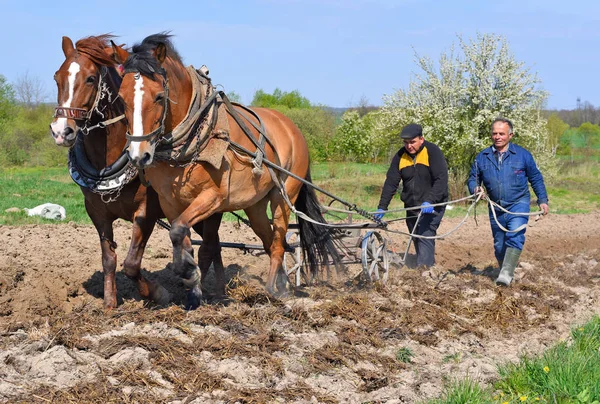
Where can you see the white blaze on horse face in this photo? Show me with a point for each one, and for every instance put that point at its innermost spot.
(138, 124)
(60, 124)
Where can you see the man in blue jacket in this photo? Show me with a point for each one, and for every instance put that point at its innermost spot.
(422, 168)
(504, 170)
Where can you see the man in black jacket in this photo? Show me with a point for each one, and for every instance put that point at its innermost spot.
(422, 168)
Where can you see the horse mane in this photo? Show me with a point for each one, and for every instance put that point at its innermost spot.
(141, 59)
(94, 47)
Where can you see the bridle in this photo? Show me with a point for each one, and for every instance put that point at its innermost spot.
(81, 114)
(156, 133)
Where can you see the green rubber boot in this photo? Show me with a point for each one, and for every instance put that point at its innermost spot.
(511, 259)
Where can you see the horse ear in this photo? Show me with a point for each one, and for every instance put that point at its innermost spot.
(67, 46)
(160, 53)
(119, 54)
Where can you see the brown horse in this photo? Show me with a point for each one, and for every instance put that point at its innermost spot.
(158, 91)
(89, 120)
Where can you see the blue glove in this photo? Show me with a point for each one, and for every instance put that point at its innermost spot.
(426, 208)
(379, 214)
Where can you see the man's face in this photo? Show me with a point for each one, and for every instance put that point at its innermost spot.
(501, 135)
(413, 145)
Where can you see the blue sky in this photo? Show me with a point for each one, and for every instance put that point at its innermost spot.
(335, 52)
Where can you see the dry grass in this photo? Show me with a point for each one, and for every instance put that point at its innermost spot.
(254, 328)
(299, 391)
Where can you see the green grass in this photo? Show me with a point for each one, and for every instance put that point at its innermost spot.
(576, 190)
(455, 358)
(361, 184)
(33, 186)
(464, 392)
(404, 355)
(568, 372)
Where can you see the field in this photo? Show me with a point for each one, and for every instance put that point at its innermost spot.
(342, 341)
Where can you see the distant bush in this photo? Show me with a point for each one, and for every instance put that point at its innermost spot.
(27, 140)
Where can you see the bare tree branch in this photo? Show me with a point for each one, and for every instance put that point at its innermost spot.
(29, 90)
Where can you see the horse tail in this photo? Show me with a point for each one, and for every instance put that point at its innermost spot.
(315, 240)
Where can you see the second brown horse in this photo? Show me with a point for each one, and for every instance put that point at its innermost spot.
(157, 90)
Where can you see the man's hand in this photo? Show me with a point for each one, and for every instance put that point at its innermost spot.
(545, 208)
(426, 208)
(379, 214)
(478, 190)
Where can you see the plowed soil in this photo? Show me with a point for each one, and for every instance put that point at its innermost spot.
(345, 341)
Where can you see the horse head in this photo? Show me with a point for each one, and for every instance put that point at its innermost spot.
(145, 91)
(87, 78)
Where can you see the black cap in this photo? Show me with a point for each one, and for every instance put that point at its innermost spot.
(411, 131)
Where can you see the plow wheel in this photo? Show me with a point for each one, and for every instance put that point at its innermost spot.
(374, 257)
(293, 262)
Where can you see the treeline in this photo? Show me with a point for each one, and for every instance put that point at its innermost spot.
(583, 112)
(24, 135)
(576, 143)
(330, 137)
(352, 135)
(455, 100)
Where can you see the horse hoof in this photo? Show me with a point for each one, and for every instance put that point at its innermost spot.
(194, 298)
(278, 294)
(161, 296)
(283, 294)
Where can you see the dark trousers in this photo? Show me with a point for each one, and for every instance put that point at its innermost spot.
(427, 226)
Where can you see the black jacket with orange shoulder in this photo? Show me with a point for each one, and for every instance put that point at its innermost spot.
(424, 177)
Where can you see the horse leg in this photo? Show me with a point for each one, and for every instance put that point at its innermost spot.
(257, 214)
(184, 264)
(109, 266)
(199, 229)
(183, 254)
(142, 229)
(281, 215)
(103, 225)
(210, 252)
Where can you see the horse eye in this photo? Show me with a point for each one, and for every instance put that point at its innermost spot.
(159, 97)
(91, 80)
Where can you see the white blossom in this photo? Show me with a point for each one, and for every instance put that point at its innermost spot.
(457, 100)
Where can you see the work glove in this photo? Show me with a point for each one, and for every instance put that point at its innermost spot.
(379, 214)
(426, 208)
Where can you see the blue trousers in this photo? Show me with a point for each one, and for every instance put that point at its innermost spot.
(502, 239)
(427, 226)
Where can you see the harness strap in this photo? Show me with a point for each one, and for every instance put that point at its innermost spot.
(102, 124)
(78, 114)
(258, 157)
(257, 161)
(143, 180)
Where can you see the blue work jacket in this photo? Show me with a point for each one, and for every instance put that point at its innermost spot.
(506, 183)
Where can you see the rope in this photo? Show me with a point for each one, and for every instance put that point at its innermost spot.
(494, 205)
(477, 198)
